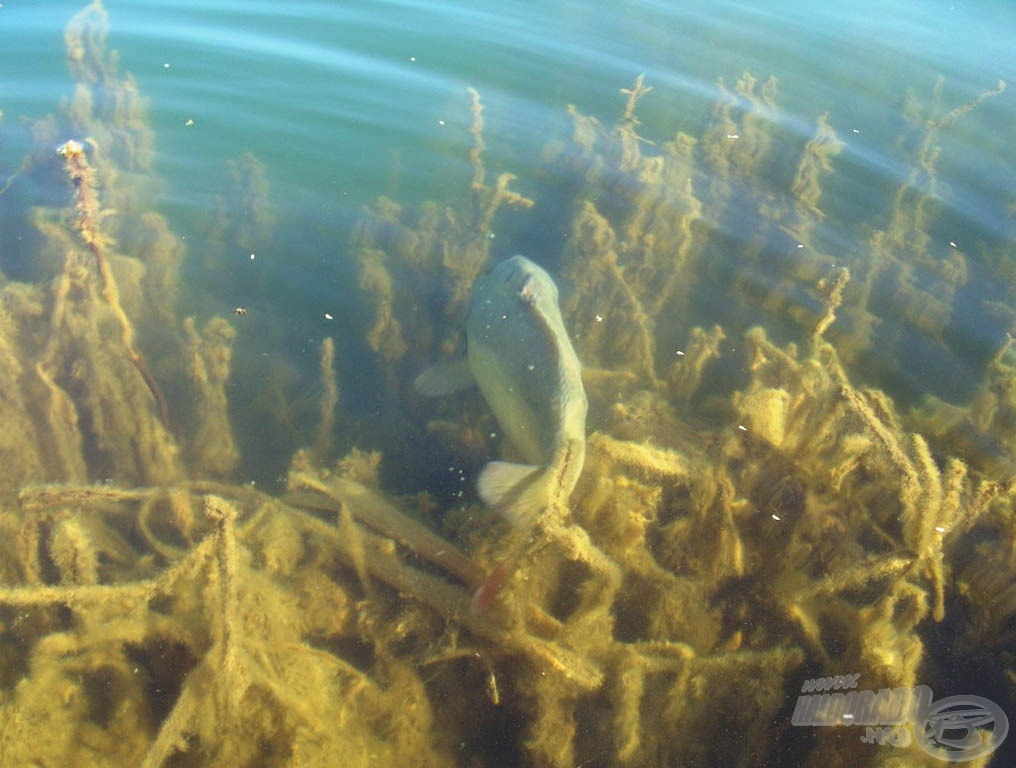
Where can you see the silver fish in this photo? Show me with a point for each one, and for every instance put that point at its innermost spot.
(519, 354)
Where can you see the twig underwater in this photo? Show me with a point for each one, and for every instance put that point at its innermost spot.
(729, 536)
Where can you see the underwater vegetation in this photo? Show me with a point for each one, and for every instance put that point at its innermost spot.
(731, 534)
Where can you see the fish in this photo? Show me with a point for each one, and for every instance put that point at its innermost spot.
(519, 354)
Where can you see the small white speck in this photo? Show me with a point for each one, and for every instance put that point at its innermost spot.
(742, 427)
(679, 353)
(328, 316)
(940, 529)
(189, 122)
(412, 58)
(776, 518)
(440, 122)
(599, 318)
(733, 136)
(492, 435)
(166, 65)
(531, 367)
(252, 257)
(952, 243)
(800, 245)
(855, 130)
(848, 716)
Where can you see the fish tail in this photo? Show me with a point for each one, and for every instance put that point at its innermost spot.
(517, 491)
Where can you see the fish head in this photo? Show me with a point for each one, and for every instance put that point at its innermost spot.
(526, 280)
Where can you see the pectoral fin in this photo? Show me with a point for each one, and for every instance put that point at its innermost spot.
(445, 379)
(516, 490)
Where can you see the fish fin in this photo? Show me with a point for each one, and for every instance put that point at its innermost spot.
(514, 490)
(445, 379)
(487, 592)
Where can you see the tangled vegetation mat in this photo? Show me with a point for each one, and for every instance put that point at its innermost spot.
(726, 541)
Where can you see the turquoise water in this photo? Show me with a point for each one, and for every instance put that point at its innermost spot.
(343, 102)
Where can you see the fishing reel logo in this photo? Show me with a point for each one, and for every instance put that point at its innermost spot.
(955, 729)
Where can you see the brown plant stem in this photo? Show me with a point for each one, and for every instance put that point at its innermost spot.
(88, 216)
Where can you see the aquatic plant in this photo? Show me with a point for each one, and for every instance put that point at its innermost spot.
(400, 247)
(803, 459)
(730, 536)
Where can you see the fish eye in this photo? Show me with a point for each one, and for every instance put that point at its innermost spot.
(529, 292)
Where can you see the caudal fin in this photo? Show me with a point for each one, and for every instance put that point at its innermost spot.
(517, 491)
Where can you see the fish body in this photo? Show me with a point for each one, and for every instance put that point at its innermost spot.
(520, 356)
